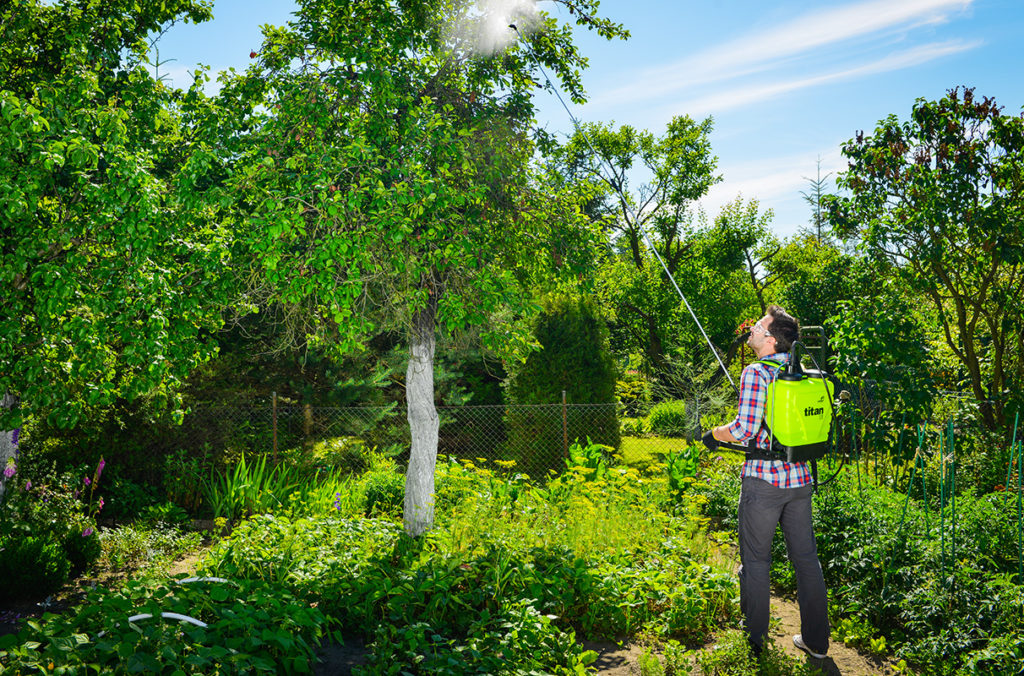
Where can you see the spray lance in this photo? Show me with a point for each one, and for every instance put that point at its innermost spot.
(801, 404)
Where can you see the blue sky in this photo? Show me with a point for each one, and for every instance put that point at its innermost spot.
(786, 82)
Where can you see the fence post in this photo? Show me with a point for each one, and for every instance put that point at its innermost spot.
(565, 427)
(273, 406)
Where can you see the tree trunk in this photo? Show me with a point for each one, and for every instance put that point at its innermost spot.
(423, 425)
(8, 442)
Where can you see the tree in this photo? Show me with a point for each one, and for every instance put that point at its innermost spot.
(761, 245)
(110, 257)
(816, 190)
(941, 199)
(575, 359)
(681, 167)
(659, 213)
(386, 184)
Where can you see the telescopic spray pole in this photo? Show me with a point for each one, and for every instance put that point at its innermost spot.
(627, 206)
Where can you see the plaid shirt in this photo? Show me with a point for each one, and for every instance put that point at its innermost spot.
(749, 422)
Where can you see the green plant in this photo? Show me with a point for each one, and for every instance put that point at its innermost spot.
(142, 547)
(249, 489)
(31, 565)
(347, 454)
(81, 544)
(574, 359)
(668, 419)
(682, 468)
(591, 461)
(632, 427)
(167, 514)
(250, 627)
(384, 491)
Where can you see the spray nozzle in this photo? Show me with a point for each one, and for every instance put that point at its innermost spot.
(513, 27)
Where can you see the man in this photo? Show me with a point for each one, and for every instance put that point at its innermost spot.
(774, 492)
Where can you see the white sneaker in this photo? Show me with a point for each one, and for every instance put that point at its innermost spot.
(798, 641)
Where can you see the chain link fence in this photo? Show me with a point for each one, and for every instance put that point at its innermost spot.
(535, 438)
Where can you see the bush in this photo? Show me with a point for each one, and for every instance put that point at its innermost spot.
(251, 628)
(385, 493)
(574, 358)
(344, 453)
(82, 545)
(668, 419)
(31, 565)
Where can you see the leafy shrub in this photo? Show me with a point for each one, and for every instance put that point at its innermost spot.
(31, 565)
(515, 635)
(385, 493)
(632, 427)
(668, 419)
(166, 514)
(251, 627)
(590, 460)
(344, 453)
(81, 545)
(250, 488)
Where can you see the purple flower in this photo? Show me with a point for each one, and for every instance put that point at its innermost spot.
(10, 470)
(77, 493)
(28, 485)
(87, 532)
(99, 469)
(101, 505)
(88, 481)
(337, 501)
(14, 437)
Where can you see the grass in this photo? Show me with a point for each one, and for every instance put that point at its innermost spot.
(642, 452)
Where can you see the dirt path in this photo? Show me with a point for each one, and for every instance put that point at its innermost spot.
(840, 660)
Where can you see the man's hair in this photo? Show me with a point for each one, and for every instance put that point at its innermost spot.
(784, 328)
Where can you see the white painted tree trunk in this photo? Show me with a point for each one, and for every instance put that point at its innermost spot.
(423, 425)
(7, 444)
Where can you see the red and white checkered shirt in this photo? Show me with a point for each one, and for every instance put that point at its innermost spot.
(749, 422)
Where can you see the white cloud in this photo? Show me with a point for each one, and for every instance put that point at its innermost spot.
(747, 94)
(776, 182)
(760, 51)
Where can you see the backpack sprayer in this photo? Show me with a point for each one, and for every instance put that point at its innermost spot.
(800, 406)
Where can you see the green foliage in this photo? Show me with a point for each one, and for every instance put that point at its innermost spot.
(347, 454)
(32, 565)
(385, 492)
(590, 461)
(668, 419)
(97, 159)
(81, 545)
(881, 352)
(166, 514)
(682, 468)
(57, 513)
(731, 656)
(509, 569)
(246, 489)
(573, 358)
(140, 546)
(252, 627)
(938, 200)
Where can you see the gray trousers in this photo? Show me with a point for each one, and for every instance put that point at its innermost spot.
(762, 506)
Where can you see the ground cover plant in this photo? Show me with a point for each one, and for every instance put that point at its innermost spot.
(602, 550)
(901, 577)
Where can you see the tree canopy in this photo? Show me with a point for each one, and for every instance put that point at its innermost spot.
(110, 260)
(939, 198)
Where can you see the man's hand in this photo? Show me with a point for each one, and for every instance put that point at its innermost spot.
(709, 441)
